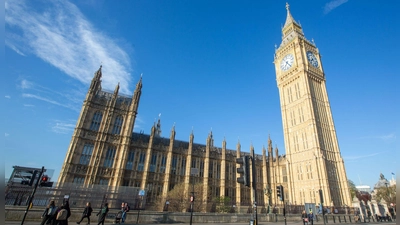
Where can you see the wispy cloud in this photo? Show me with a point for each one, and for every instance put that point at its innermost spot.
(70, 100)
(58, 33)
(333, 5)
(42, 99)
(384, 137)
(7, 96)
(63, 127)
(352, 158)
(6, 134)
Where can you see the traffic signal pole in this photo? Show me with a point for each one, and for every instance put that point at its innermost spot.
(254, 186)
(31, 196)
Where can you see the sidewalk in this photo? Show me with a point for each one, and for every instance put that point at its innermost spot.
(260, 223)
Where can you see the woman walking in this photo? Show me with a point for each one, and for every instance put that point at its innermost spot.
(102, 214)
(48, 214)
(87, 212)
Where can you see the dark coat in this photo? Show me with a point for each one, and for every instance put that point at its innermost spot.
(88, 211)
(102, 213)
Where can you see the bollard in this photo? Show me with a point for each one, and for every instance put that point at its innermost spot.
(334, 221)
(345, 219)
(350, 219)
(316, 218)
(340, 221)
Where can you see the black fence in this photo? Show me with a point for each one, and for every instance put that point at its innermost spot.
(77, 195)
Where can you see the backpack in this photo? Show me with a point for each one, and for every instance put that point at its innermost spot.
(62, 214)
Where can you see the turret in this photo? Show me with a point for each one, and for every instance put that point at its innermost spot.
(96, 81)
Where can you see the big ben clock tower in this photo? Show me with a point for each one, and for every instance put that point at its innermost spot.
(313, 156)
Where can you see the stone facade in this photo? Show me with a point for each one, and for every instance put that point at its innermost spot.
(105, 150)
(313, 157)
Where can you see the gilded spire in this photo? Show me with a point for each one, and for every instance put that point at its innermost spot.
(289, 17)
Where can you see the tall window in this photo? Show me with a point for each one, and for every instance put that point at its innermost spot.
(108, 162)
(117, 125)
(201, 168)
(218, 170)
(183, 167)
(78, 180)
(96, 121)
(86, 154)
(174, 163)
(153, 163)
(142, 157)
(211, 169)
(129, 162)
(163, 163)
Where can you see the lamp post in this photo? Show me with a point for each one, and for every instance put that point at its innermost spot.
(193, 171)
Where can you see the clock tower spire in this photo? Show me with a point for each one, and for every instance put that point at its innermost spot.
(311, 144)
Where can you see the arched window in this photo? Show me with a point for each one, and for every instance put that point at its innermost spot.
(96, 121)
(86, 154)
(110, 155)
(117, 125)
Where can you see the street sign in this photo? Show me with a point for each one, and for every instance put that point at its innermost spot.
(194, 171)
(141, 193)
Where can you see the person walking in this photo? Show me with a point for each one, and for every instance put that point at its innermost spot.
(102, 214)
(125, 208)
(304, 217)
(48, 214)
(87, 212)
(311, 217)
(62, 216)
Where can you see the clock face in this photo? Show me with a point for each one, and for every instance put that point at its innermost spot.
(312, 59)
(287, 62)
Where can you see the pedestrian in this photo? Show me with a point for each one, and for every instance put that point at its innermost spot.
(62, 216)
(48, 214)
(125, 209)
(66, 206)
(311, 217)
(304, 217)
(86, 213)
(102, 214)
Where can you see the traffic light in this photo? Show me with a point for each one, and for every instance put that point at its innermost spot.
(244, 170)
(279, 192)
(44, 182)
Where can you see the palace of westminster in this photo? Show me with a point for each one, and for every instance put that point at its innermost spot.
(104, 150)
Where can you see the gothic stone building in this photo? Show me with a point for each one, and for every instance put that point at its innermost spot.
(104, 150)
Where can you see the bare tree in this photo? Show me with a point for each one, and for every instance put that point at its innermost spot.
(179, 198)
(386, 193)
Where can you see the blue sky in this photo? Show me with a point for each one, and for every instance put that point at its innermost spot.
(206, 65)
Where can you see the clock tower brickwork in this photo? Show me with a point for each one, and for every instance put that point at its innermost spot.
(313, 158)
